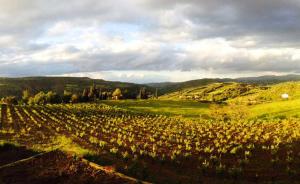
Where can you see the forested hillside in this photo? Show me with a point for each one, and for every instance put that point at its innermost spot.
(15, 86)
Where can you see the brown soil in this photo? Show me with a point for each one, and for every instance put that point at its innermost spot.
(56, 167)
(10, 153)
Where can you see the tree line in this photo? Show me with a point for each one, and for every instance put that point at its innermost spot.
(90, 94)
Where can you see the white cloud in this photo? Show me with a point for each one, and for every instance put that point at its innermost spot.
(139, 38)
(142, 76)
(59, 28)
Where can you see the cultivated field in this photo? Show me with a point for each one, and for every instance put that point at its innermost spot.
(163, 149)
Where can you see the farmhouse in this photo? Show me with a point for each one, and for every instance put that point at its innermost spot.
(285, 96)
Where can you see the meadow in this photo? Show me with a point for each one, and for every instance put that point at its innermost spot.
(190, 109)
(194, 110)
(144, 146)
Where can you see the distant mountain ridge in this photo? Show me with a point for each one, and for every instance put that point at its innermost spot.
(270, 79)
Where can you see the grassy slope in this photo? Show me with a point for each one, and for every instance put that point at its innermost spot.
(213, 92)
(274, 92)
(277, 109)
(169, 87)
(268, 101)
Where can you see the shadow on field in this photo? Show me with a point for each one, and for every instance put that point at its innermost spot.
(10, 153)
(19, 165)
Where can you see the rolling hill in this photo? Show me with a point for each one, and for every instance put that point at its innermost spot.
(15, 86)
(272, 93)
(237, 92)
(215, 92)
(169, 87)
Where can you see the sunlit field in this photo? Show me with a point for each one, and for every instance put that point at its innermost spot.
(157, 146)
(188, 109)
(277, 109)
(150, 92)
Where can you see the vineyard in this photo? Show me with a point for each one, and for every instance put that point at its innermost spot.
(156, 148)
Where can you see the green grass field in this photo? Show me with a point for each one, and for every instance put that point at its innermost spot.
(276, 109)
(272, 108)
(164, 107)
(191, 109)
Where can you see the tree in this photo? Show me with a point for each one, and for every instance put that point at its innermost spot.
(40, 98)
(142, 94)
(52, 97)
(93, 92)
(31, 101)
(75, 98)
(117, 94)
(85, 95)
(100, 94)
(126, 94)
(104, 95)
(67, 96)
(25, 96)
(10, 100)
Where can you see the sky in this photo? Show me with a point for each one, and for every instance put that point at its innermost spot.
(149, 40)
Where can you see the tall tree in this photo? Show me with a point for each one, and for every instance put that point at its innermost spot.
(143, 93)
(75, 98)
(100, 94)
(85, 95)
(117, 94)
(93, 92)
(67, 96)
(40, 98)
(52, 97)
(26, 96)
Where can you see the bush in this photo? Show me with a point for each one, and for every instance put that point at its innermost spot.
(52, 98)
(11, 100)
(25, 96)
(117, 94)
(40, 98)
(75, 98)
(67, 97)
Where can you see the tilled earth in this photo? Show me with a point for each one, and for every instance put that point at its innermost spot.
(56, 167)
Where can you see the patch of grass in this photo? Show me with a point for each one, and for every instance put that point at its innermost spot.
(4, 144)
(276, 109)
(65, 144)
(192, 109)
(163, 107)
(216, 92)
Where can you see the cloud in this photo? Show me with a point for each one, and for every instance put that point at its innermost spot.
(212, 37)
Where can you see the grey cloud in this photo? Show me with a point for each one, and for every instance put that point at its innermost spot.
(162, 60)
(274, 21)
(244, 64)
(273, 24)
(27, 20)
(35, 69)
